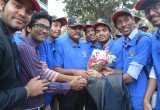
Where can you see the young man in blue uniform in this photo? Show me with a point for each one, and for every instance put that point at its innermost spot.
(152, 12)
(135, 57)
(90, 36)
(71, 59)
(47, 53)
(103, 33)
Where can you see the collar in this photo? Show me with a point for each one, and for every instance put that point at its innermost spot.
(157, 33)
(49, 41)
(4, 28)
(71, 42)
(109, 44)
(132, 34)
(31, 42)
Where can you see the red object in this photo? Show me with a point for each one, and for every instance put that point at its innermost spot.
(36, 5)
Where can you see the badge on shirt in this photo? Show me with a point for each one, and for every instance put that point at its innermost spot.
(84, 54)
(131, 53)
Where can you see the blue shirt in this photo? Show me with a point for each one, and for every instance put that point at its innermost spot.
(91, 47)
(156, 61)
(17, 38)
(140, 53)
(116, 50)
(47, 53)
(120, 41)
(71, 56)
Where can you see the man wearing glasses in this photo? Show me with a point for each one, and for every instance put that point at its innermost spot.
(37, 32)
(151, 9)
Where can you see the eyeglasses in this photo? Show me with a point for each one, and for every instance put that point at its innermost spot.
(42, 27)
(153, 7)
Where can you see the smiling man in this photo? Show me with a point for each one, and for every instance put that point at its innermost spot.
(136, 56)
(15, 15)
(37, 32)
(151, 9)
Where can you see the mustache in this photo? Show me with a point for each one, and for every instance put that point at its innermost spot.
(78, 33)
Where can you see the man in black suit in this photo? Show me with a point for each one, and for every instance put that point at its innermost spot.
(15, 15)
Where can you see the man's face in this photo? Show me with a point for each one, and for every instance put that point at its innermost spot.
(16, 14)
(90, 34)
(124, 23)
(75, 32)
(135, 24)
(152, 13)
(56, 29)
(102, 33)
(40, 30)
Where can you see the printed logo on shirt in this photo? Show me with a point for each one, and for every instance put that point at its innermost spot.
(131, 53)
(84, 54)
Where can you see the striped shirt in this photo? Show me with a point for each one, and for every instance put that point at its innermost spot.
(31, 67)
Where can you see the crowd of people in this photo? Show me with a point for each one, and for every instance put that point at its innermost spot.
(37, 63)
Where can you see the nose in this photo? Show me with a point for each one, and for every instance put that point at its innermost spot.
(22, 11)
(101, 32)
(123, 23)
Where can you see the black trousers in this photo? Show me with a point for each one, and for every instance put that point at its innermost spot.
(73, 100)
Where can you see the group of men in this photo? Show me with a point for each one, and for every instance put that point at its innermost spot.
(44, 63)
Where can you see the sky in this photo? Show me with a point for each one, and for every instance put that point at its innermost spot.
(55, 7)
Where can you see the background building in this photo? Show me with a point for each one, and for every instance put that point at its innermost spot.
(43, 4)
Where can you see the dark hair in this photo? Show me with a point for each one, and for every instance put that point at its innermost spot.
(5, 1)
(39, 15)
(122, 15)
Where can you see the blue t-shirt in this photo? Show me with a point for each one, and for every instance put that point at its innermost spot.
(140, 53)
(156, 61)
(71, 56)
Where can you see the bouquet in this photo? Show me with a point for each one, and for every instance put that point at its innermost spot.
(100, 59)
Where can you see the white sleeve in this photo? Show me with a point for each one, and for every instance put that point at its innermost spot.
(152, 73)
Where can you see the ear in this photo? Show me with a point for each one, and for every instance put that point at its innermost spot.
(29, 29)
(2, 4)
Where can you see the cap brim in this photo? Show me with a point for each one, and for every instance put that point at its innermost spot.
(76, 25)
(119, 13)
(139, 5)
(143, 27)
(63, 21)
(97, 24)
(136, 17)
(142, 4)
(36, 5)
(86, 26)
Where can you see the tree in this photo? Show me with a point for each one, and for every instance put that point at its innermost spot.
(94, 9)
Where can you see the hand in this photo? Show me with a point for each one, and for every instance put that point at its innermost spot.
(147, 105)
(94, 73)
(82, 73)
(107, 70)
(36, 87)
(78, 83)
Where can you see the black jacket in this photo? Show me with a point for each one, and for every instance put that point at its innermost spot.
(11, 94)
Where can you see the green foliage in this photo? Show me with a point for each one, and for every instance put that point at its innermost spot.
(94, 9)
